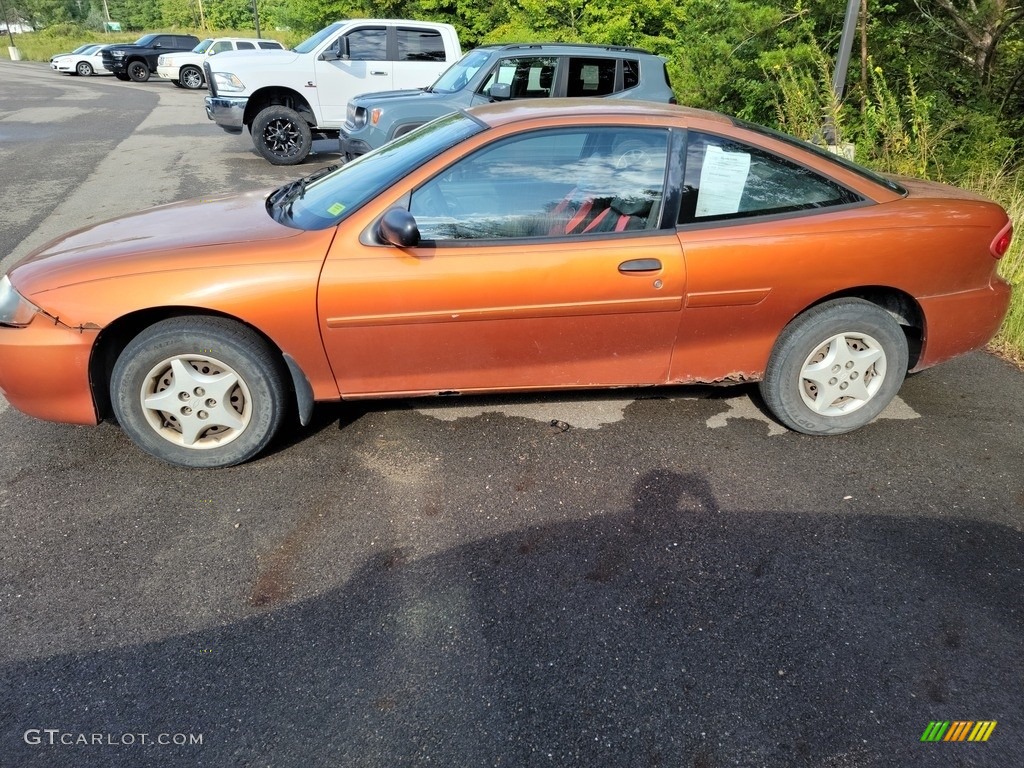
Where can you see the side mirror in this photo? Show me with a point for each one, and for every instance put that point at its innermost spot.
(500, 92)
(399, 227)
(330, 55)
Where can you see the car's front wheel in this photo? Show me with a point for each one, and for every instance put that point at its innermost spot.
(835, 367)
(138, 71)
(191, 78)
(281, 135)
(84, 68)
(199, 391)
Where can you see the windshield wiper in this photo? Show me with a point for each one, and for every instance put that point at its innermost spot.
(294, 190)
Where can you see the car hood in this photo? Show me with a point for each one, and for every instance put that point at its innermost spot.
(161, 238)
(374, 99)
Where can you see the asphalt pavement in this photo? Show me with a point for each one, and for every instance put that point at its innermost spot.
(635, 578)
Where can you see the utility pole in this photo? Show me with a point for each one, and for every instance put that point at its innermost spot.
(256, 17)
(842, 66)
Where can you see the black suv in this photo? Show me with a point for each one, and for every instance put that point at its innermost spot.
(138, 60)
(502, 72)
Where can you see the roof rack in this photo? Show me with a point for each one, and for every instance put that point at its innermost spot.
(584, 46)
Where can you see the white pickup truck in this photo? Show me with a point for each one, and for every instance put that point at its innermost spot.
(285, 98)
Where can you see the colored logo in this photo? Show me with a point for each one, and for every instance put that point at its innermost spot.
(958, 730)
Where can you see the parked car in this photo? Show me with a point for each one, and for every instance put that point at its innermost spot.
(533, 245)
(139, 60)
(503, 72)
(88, 62)
(79, 49)
(185, 70)
(285, 99)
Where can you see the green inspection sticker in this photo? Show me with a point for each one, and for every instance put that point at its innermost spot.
(335, 209)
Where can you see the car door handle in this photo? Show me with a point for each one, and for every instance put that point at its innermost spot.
(377, 72)
(640, 265)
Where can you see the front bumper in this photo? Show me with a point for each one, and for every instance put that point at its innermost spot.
(44, 371)
(227, 112)
(353, 148)
(168, 73)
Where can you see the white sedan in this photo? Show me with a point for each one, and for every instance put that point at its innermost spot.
(87, 61)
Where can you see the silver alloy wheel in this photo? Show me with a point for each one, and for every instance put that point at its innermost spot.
(196, 401)
(84, 68)
(842, 374)
(192, 78)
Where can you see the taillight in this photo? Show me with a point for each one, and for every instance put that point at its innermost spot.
(1001, 244)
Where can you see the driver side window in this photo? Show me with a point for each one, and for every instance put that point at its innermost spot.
(552, 183)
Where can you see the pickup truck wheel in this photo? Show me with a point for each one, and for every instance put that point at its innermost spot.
(138, 71)
(281, 135)
(191, 78)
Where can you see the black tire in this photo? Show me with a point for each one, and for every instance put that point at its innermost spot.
(191, 78)
(223, 384)
(83, 68)
(835, 367)
(123, 76)
(138, 71)
(281, 135)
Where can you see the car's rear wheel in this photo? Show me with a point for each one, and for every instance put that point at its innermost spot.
(835, 367)
(84, 68)
(199, 392)
(138, 71)
(281, 135)
(191, 78)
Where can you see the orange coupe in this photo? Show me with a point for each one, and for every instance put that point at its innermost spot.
(511, 247)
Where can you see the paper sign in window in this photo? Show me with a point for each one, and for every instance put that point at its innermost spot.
(591, 77)
(722, 178)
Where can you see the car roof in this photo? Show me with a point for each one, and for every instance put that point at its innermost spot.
(567, 48)
(506, 112)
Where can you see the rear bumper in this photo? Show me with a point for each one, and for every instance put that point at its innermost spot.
(962, 322)
(44, 371)
(227, 112)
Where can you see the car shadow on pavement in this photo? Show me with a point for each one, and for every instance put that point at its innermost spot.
(673, 633)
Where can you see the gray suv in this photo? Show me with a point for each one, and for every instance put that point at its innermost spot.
(503, 72)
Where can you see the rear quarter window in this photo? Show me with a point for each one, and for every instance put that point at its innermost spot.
(590, 77)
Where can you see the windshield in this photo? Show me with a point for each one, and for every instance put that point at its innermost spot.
(144, 40)
(461, 72)
(201, 48)
(332, 198)
(309, 44)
